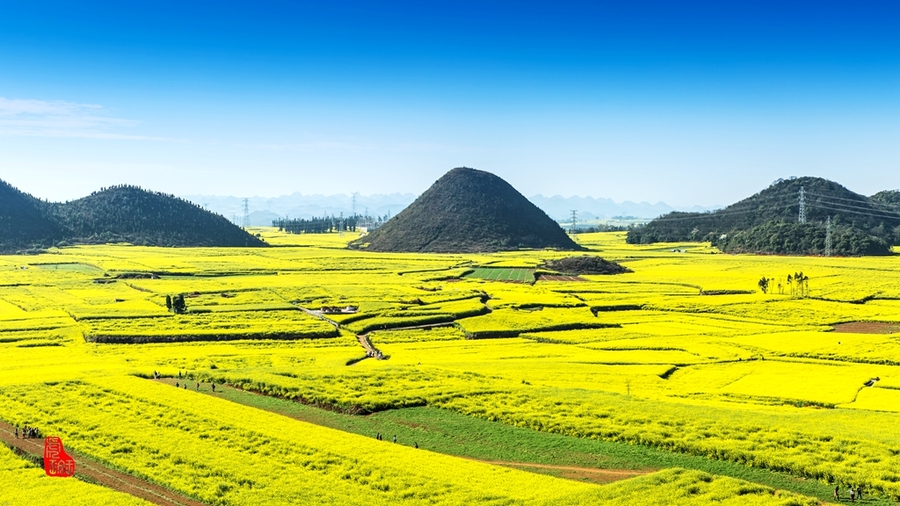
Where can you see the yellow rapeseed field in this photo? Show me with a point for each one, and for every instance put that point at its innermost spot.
(684, 354)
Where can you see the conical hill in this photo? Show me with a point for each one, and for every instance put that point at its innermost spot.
(468, 210)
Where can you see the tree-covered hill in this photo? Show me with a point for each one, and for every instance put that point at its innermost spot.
(764, 222)
(468, 210)
(117, 214)
(23, 221)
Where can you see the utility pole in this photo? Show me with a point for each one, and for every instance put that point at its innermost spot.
(828, 237)
(802, 206)
(574, 220)
(245, 223)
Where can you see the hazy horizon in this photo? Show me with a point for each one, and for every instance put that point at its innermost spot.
(694, 103)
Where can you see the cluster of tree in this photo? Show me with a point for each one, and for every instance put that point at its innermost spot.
(176, 304)
(866, 225)
(115, 214)
(602, 227)
(585, 264)
(792, 238)
(327, 224)
(797, 282)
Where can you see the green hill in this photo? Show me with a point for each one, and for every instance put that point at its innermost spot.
(117, 214)
(468, 210)
(767, 222)
(23, 221)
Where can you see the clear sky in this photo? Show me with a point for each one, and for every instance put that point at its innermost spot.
(686, 102)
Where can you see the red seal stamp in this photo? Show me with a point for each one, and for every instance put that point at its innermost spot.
(56, 461)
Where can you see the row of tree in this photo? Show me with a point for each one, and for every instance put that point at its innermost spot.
(328, 224)
(797, 282)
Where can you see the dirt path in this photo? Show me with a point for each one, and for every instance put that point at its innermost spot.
(95, 472)
(371, 350)
(868, 327)
(593, 474)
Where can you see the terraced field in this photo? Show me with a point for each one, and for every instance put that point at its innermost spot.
(678, 381)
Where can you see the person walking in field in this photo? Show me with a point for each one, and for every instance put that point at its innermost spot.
(837, 493)
(213, 385)
(395, 438)
(859, 492)
(852, 493)
(17, 431)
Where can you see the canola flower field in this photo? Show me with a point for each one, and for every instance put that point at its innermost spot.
(683, 355)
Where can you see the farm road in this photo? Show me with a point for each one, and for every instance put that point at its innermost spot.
(95, 472)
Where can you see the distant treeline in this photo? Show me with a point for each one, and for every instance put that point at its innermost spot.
(602, 228)
(328, 224)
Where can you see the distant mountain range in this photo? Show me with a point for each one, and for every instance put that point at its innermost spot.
(296, 205)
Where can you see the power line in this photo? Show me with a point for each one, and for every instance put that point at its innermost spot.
(868, 210)
(245, 222)
(802, 206)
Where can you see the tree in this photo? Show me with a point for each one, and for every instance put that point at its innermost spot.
(763, 284)
(178, 305)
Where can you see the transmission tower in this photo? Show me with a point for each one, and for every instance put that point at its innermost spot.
(245, 221)
(802, 206)
(574, 220)
(341, 226)
(828, 237)
(355, 194)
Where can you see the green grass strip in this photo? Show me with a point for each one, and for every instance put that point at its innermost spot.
(444, 431)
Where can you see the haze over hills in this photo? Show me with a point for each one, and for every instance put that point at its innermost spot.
(263, 210)
(769, 221)
(468, 210)
(116, 214)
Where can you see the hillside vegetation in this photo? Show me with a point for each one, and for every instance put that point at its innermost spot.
(468, 210)
(767, 222)
(117, 214)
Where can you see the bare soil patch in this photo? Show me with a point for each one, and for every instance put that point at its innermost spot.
(868, 327)
(591, 474)
(556, 277)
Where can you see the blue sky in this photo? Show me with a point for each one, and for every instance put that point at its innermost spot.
(686, 102)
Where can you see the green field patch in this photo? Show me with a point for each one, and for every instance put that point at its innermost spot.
(78, 267)
(510, 274)
(452, 433)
